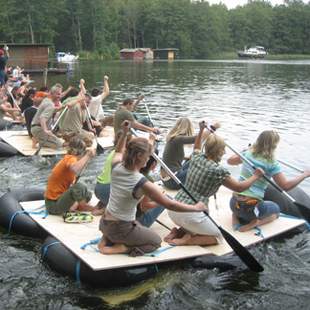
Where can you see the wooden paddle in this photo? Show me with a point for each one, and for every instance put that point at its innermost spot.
(238, 248)
(53, 128)
(148, 113)
(303, 209)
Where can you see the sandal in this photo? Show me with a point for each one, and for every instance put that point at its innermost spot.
(78, 217)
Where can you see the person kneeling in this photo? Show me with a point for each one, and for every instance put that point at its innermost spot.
(128, 186)
(63, 193)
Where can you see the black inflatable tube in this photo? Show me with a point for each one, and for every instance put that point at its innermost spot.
(286, 205)
(7, 150)
(62, 260)
(22, 224)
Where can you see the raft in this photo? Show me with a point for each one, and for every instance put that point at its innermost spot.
(15, 142)
(63, 261)
(71, 249)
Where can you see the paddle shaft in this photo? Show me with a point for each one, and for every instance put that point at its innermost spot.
(290, 166)
(148, 113)
(14, 101)
(238, 248)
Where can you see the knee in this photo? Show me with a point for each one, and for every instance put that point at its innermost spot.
(273, 208)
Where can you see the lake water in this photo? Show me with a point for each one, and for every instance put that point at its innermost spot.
(246, 97)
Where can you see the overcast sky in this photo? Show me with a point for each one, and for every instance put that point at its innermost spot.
(233, 3)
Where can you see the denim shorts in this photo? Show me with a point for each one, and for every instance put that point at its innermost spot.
(264, 209)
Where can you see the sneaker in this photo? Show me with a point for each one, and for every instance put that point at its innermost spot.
(78, 217)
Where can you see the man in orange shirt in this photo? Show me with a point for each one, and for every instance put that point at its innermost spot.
(63, 193)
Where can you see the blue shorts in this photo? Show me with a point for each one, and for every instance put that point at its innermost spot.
(264, 208)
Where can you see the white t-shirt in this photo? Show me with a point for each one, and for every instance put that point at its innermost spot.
(95, 107)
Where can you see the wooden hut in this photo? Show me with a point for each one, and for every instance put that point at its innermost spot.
(136, 53)
(131, 54)
(31, 57)
(165, 53)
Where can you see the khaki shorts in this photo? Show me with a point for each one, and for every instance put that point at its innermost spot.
(44, 139)
(135, 236)
(195, 223)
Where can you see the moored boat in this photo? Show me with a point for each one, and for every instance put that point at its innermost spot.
(253, 52)
(66, 57)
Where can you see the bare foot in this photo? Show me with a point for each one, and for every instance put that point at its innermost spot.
(114, 249)
(249, 226)
(173, 233)
(96, 211)
(84, 207)
(180, 241)
(102, 244)
(34, 143)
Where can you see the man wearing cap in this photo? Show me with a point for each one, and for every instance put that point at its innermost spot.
(125, 113)
(40, 126)
(4, 56)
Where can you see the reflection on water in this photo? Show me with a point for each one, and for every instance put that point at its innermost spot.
(246, 97)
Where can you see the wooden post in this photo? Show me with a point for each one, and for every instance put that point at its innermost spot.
(45, 77)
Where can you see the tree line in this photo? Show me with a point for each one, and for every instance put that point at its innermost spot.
(196, 28)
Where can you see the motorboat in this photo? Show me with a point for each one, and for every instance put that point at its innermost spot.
(253, 52)
(66, 57)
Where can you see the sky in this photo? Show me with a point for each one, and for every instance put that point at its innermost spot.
(233, 3)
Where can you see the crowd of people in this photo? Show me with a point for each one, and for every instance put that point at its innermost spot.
(129, 201)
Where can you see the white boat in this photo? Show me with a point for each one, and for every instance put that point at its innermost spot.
(253, 52)
(66, 57)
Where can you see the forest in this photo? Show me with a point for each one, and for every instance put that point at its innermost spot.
(196, 28)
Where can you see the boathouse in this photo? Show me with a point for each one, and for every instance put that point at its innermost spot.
(165, 53)
(30, 57)
(136, 54)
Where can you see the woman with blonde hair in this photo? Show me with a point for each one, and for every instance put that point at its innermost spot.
(121, 232)
(249, 207)
(182, 133)
(204, 177)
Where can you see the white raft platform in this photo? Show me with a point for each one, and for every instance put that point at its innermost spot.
(23, 143)
(73, 236)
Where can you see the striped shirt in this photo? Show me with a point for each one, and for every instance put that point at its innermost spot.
(271, 168)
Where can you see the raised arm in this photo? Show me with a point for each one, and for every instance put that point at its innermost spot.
(121, 143)
(140, 98)
(82, 87)
(197, 144)
(80, 164)
(64, 93)
(106, 88)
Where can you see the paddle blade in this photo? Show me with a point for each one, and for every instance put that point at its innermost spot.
(242, 251)
(304, 210)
